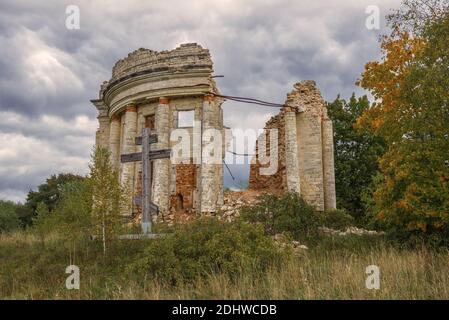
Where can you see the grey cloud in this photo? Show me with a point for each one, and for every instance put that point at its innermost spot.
(26, 162)
(262, 48)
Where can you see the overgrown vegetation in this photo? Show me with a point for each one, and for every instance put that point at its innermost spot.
(14, 216)
(288, 214)
(291, 215)
(208, 246)
(86, 207)
(334, 268)
(357, 151)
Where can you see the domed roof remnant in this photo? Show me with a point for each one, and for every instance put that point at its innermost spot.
(146, 75)
(187, 57)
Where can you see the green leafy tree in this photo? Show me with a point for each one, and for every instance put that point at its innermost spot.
(48, 193)
(108, 197)
(41, 222)
(85, 207)
(70, 221)
(357, 152)
(9, 218)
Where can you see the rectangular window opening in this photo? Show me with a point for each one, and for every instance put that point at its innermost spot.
(186, 119)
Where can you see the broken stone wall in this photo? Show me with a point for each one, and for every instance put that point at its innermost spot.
(306, 155)
(278, 181)
(186, 184)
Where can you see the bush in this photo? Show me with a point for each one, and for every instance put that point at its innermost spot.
(287, 213)
(207, 246)
(336, 219)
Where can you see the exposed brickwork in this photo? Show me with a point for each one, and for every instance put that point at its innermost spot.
(163, 100)
(186, 177)
(306, 162)
(277, 181)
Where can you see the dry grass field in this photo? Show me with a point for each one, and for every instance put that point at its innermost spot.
(331, 269)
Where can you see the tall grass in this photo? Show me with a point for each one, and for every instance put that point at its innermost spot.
(333, 269)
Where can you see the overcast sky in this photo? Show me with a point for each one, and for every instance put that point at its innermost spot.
(48, 73)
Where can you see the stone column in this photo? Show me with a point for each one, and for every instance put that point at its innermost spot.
(310, 149)
(138, 165)
(161, 174)
(226, 136)
(211, 185)
(129, 146)
(220, 181)
(330, 199)
(102, 136)
(114, 141)
(291, 150)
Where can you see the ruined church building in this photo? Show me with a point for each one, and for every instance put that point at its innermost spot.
(174, 89)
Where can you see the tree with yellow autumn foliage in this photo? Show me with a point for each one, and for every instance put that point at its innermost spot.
(411, 87)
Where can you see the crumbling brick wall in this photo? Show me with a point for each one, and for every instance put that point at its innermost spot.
(186, 178)
(305, 149)
(278, 181)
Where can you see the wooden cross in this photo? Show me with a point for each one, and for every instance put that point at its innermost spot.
(146, 156)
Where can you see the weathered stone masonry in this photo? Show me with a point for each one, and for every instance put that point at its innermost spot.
(306, 155)
(149, 89)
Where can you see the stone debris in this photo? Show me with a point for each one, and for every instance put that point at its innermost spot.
(234, 201)
(283, 242)
(350, 230)
(230, 210)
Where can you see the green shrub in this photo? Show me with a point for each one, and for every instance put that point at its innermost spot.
(207, 246)
(287, 213)
(336, 219)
